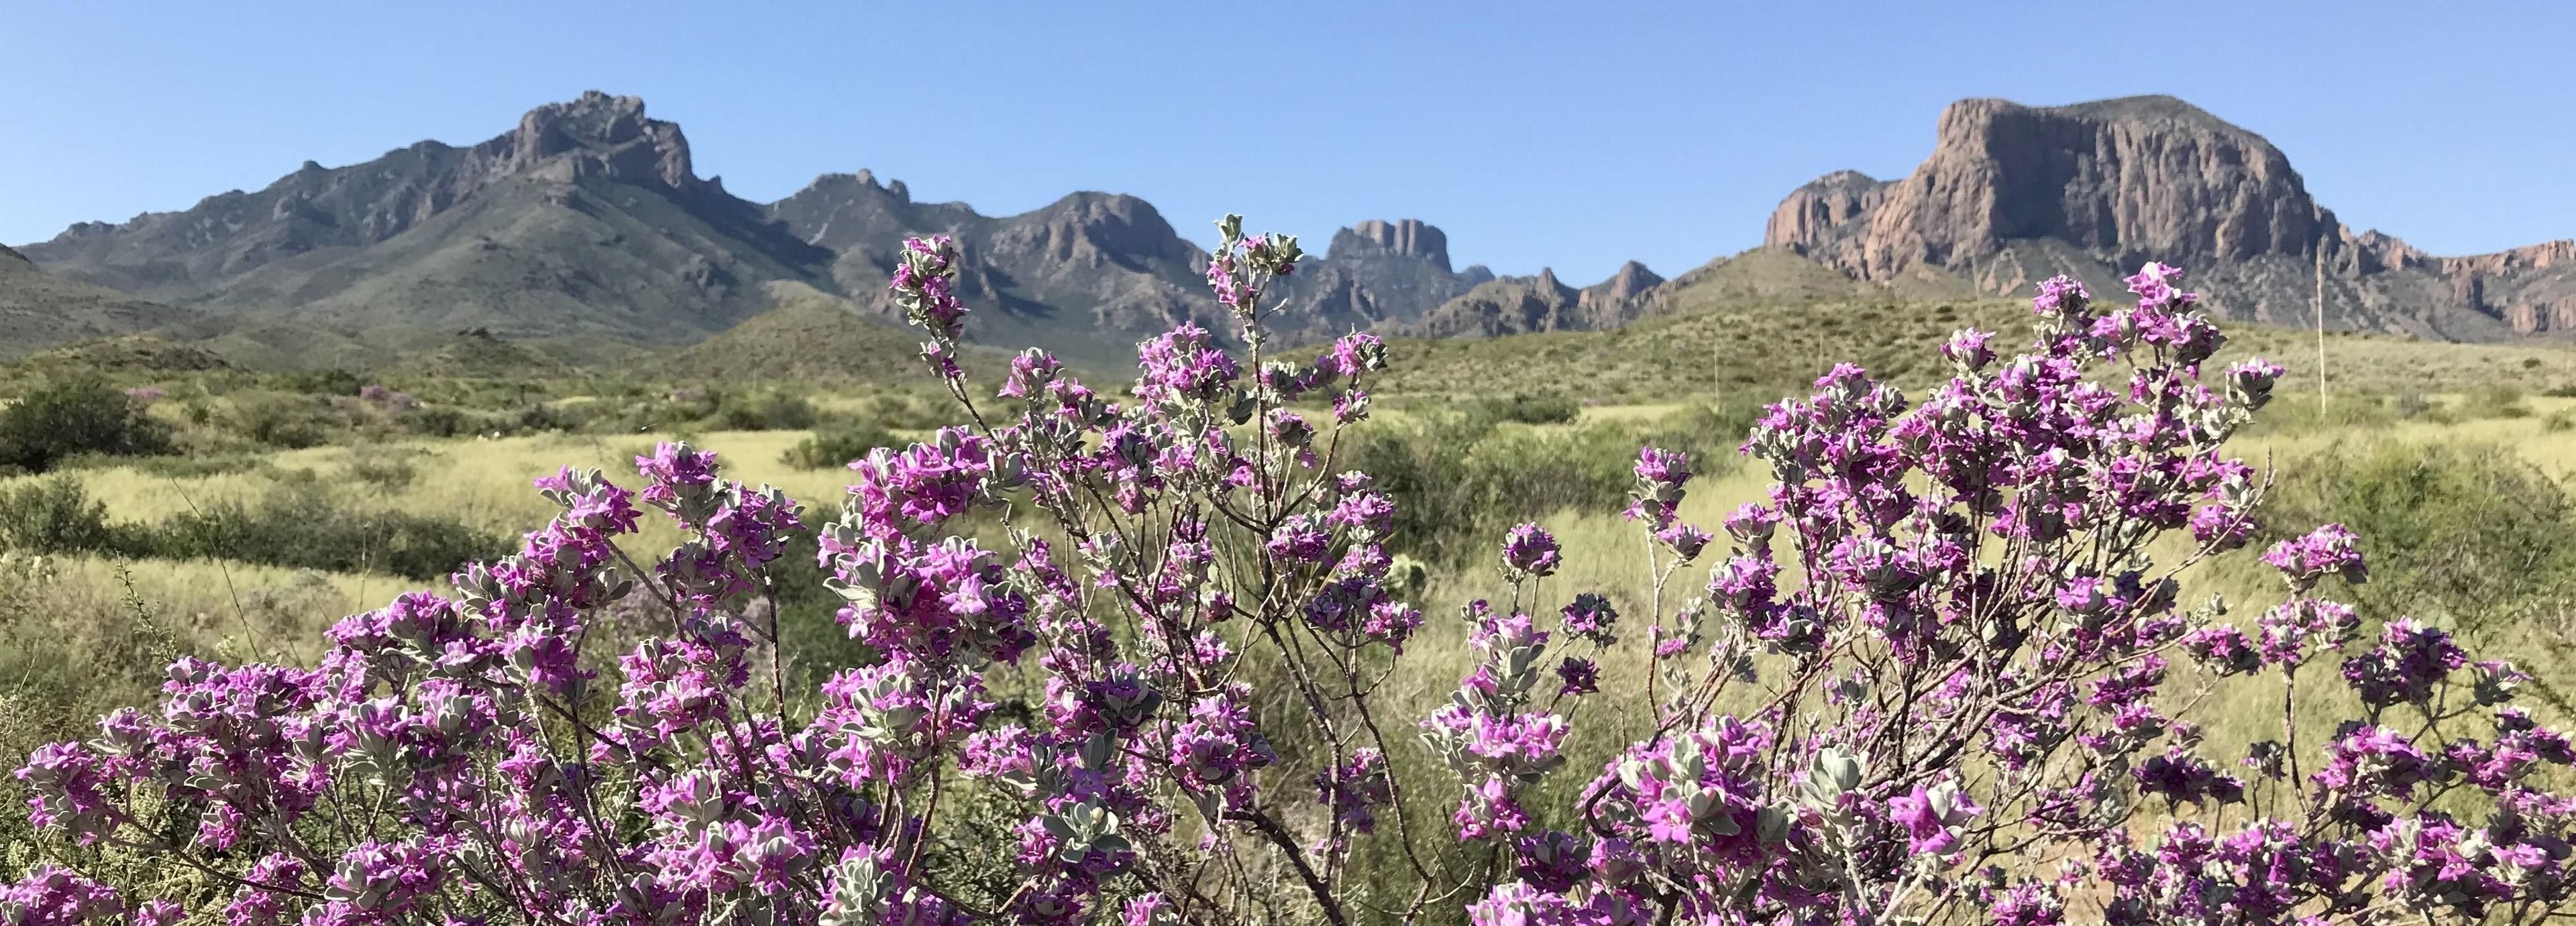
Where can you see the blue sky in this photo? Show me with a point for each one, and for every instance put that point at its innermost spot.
(1571, 135)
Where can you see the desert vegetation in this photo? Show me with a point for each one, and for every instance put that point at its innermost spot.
(1988, 625)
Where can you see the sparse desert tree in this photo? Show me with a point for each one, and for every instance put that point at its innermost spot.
(1936, 676)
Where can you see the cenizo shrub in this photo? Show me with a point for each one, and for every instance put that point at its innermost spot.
(1934, 676)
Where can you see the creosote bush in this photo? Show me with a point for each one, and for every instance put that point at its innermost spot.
(1934, 676)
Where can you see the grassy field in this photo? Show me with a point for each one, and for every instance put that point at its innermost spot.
(1718, 345)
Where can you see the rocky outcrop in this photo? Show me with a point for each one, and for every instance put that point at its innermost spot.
(2533, 289)
(1827, 215)
(1402, 238)
(2130, 177)
(1375, 275)
(1631, 282)
(2012, 194)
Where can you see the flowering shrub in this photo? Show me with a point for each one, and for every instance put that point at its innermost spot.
(1932, 676)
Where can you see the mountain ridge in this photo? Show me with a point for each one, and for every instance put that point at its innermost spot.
(588, 219)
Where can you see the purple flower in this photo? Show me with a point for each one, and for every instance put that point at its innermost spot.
(1578, 676)
(2155, 285)
(1968, 349)
(1931, 817)
(1529, 550)
(2332, 548)
(2060, 297)
(925, 284)
(2410, 660)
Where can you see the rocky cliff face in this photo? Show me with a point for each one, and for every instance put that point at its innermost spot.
(1402, 238)
(2012, 194)
(1828, 215)
(1375, 275)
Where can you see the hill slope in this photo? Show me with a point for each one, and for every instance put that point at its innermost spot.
(811, 336)
(1714, 341)
(40, 309)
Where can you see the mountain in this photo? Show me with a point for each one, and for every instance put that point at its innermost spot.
(2012, 194)
(587, 219)
(1525, 305)
(587, 232)
(1093, 273)
(1374, 275)
(38, 309)
(588, 223)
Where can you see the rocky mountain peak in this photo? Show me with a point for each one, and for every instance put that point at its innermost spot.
(1630, 282)
(1406, 237)
(1827, 211)
(2125, 178)
(598, 135)
(1095, 229)
(2012, 194)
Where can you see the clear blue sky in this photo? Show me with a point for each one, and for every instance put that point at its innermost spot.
(1567, 135)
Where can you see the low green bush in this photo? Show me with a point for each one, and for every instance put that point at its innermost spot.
(765, 410)
(384, 467)
(52, 515)
(82, 416)
(296, 525)
(287, 422)
(319, 382)
(1526, 409)
(835, 448)
(1461, 479)
(2463, 533)
(301, 527)
(2498, 401)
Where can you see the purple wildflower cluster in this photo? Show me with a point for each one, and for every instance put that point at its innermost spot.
(1962, 691)
(1933, 675)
